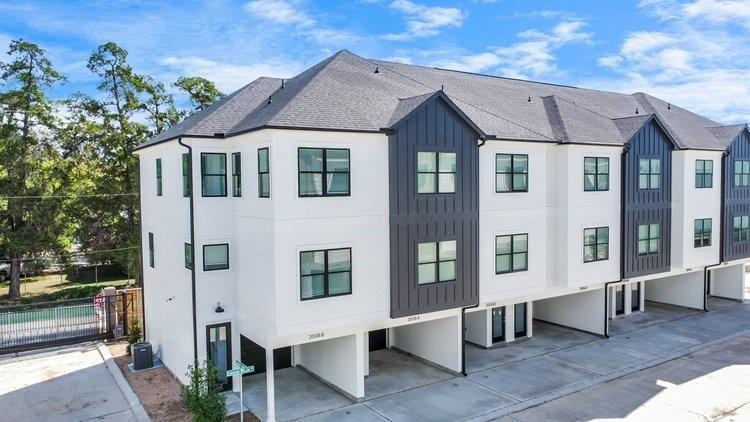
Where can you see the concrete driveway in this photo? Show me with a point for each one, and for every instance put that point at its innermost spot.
(71, 384)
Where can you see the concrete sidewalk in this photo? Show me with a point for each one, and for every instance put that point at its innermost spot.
(496, 391)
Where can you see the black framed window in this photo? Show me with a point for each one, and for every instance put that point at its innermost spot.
(702, 228)
(236, 174)
(323, 172)
(213, 174)
(704, 173)
(595, 244)
(511, 173)
(511, 253)
(436, 262)
(649, 173)
(741, 229)
(742, 173)
(264, 174)
(186, 180)
(436, 172)
(158, 177)
(325, 273)
(188, 256)
(649, 237)
(215, 257)
(595, 173)
(151, 250)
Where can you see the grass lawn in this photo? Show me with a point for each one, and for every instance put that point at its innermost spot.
(51, 287)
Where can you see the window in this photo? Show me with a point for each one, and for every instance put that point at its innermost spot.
(742, 173)
(158, 177)
(511, 253)
(436, 172)
(151, 250)
(188, 256)
(214, 174)
(264, 177)
(325, 273)
(186, 179)
(436, 262)
(596, 244)
(215, 257)
(704, 173)
(741, 229)
(236, 174)
(649, 173)
(511, 173)
(595, 173)
(648, 239)
(323, 172)
(702, 232)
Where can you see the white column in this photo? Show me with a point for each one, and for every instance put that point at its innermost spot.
(366, 352)
(529, 319)
(510, 323)
(627, 290)
(270, 393)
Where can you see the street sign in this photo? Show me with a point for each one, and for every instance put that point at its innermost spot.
(239, 370)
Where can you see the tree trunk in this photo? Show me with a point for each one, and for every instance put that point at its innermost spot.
(14, 292)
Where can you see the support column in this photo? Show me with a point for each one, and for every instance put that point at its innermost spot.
(728, 282)
(437, 341)
(529, 319)
(477, 328)
(366, 352)
(270, 392)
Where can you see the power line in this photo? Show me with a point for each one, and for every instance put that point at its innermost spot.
(93, 195)
(77, 254)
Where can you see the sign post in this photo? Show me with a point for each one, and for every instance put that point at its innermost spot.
(240, 370)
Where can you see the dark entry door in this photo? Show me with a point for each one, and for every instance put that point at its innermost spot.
(520, 319)
(253, 354)
(635, 296)
(498, 324)
(619, 300)
(219, 342)
(376, 340)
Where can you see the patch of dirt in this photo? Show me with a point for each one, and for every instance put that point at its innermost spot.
(158, 389)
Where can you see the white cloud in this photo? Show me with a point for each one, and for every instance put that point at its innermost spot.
(470, 63)
(695, 59)
(279, 11)
(424, 21)
(229, 77)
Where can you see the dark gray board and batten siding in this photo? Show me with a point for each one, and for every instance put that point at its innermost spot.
(647, 206)
(416, 218)
(736, 199)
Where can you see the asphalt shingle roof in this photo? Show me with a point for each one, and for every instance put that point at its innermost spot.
(344, 92)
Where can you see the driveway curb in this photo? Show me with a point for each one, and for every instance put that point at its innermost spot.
(135, 404)
(565, 391)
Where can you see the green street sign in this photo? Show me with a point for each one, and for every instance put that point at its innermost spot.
(240, 369)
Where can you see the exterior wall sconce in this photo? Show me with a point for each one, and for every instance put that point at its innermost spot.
(218, 309)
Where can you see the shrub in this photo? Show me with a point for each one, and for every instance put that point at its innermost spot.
(202, 396)
(134, 336)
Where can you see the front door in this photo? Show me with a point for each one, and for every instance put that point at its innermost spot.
(219, 339)
(619, 300)
(635, 297)
(498, 324)
(520, 319)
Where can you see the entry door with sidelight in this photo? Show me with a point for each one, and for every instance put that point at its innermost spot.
(635, 296)
(619, 300)
(520, 319)
(219, 339)
(498, 324)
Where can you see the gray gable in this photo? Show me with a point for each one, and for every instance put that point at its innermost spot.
(351, 93)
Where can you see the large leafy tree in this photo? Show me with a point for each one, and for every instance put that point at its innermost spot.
(201, 92)
(32, 170)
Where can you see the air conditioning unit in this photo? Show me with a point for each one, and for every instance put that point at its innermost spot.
(142, 356)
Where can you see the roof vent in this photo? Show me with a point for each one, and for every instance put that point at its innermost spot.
(282, 84)
(669, 106)
(529, 100)
(442, 87)
(377, 69)
(269, 100)
(636, 110)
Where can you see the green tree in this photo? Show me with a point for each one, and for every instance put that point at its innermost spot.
(158, 104)
(31, 163)
(202, 395)
(201, 92)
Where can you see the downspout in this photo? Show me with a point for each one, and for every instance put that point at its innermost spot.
(140, 256)
(192, 247)
(623, 184)
(482, 140)
(706, 274)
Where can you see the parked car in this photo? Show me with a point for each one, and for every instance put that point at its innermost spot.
(26, 270)
(4, 271)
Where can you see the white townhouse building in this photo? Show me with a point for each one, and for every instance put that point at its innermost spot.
(366, 204)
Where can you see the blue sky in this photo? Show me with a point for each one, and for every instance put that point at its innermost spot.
(693, 53)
